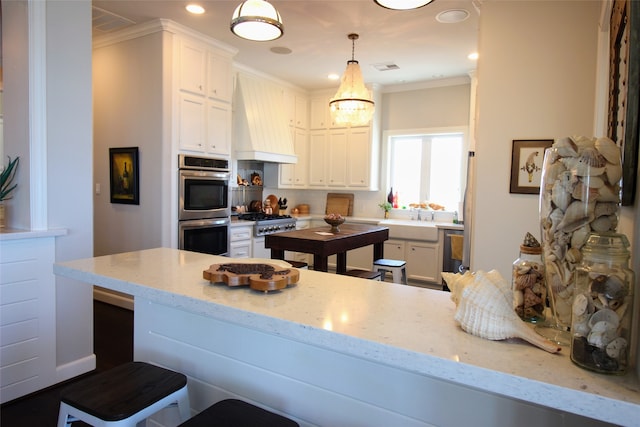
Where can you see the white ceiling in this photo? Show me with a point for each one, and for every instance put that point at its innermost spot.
(316, 32)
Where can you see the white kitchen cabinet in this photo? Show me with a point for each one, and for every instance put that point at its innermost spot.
(191, 122)
(319, 117)
(297, 109)
(318, 147)
(423, 258)
(204, 97)
(423, 261)
(240, 241)
(359, 157)
(337, 158)
(299, 256)
(295, 174)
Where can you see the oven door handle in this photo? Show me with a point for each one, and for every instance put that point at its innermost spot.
(195, 174)
(204, 222)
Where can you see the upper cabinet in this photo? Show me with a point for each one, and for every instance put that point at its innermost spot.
(203, 97)
(297, 109)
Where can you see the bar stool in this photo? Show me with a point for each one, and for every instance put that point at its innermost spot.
(236, 413)
(298, 264)
(396, 267)
(123, 396)
(364, 274)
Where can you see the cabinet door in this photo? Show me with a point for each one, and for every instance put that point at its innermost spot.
(301, 147)
(240, 249)
(219, 77)
(319, 115)
(317, 159)
(218, 128)
(192, 66)
(191, 122)
(359, 157)
(422, 261)
(337, 159)
(301, 112)
(394, 249)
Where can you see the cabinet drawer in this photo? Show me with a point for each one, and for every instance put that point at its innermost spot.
(240, 249)
(240, 233)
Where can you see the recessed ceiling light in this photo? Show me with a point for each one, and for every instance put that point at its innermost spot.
(473, 56)
(452, 16)
(333, 76)
(281, 50)
(196, 9)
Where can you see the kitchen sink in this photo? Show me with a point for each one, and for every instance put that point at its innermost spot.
(412, 230)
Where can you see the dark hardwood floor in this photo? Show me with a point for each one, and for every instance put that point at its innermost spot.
(113, 345)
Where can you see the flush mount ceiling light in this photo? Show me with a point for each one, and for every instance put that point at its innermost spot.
(352, 103)
(257, 20)
(196, 9)
(402, 4)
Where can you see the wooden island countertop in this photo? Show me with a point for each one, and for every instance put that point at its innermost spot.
(383, 354)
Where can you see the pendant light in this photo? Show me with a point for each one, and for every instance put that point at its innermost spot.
(352, 102)
(257, 20)
(402, 4)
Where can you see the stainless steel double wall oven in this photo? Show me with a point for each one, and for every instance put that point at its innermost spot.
(203, 205)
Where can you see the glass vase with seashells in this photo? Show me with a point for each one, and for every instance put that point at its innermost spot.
(579, 194)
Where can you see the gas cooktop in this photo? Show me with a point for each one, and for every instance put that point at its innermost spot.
(259, 216)
(269, 224)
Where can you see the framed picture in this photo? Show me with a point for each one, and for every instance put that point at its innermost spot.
(624, 90)
(526, 165)
(124, 175)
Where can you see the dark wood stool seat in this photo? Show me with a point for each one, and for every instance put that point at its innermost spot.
(364, 274)
(297, 264)
(124, 395)
(236, 413)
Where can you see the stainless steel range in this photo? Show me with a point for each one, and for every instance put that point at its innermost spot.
(269, 224)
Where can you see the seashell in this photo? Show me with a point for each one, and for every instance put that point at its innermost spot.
(577, 214)
(573, 255)
(580, 328)
(518, 299)
(591, 157)
(609, 193)
(531, 299)
(583, 142)
(600, 338)
(579, 236)
(526, 281)
(616, 347)
(609, 150)
(553, 171)
(485, 310)
(530, 241)
(603, 320)
(593, 181)
(602, 224)
(583, 192)
(566, 147)
(612, 287)
(607, 208)
(613, 173)
(560, 197)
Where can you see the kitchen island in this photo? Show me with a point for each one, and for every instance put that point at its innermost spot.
(340, 351)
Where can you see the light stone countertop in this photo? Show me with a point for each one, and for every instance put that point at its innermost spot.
(403, 326)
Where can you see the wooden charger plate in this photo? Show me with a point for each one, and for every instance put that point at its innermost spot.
(259, 277)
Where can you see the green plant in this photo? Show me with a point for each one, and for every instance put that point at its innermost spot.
(6, 178)
(386, 206)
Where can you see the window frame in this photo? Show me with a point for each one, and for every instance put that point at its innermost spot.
(385, 175)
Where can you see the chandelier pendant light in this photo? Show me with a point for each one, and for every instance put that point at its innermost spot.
(257, 20)
(402, 4)
(352, 103)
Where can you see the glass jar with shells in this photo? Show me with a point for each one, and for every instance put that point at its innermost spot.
(601, 324)
(579, 194)
(529, 289)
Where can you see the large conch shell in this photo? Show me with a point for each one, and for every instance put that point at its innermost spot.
(484, 308)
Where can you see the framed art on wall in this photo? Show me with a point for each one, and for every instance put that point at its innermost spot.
(526, 165)
(124, 175)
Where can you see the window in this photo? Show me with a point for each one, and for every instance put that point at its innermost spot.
(427, 167)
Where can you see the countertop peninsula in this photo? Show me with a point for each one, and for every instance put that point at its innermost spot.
(404, 327)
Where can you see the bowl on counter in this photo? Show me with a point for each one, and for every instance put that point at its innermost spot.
(334, 221)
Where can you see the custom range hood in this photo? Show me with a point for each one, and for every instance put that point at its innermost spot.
(261, 131)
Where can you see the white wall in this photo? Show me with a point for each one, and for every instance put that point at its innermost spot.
(534, 82)
(128, 81)
(68, 143)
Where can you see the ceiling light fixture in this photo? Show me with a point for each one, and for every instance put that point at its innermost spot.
(257, 20)
(402, 4)
(196, 9)
(352, 102)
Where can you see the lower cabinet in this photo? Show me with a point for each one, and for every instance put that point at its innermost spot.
(240, 241)
(299, 256)
(423, 258)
